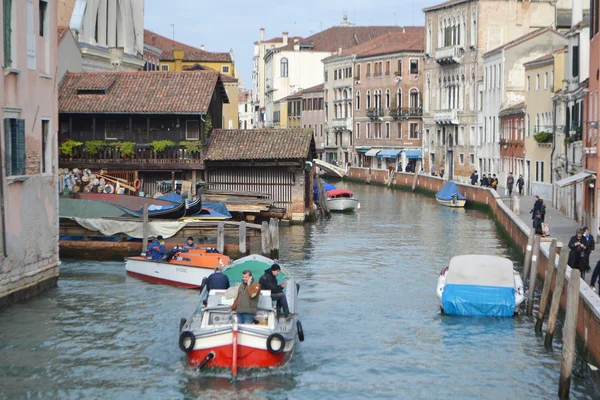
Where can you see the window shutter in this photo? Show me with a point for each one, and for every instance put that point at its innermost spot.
(6, 23)
(19, 147)
(8, 146)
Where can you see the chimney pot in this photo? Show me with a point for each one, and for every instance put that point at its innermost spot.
(285, 38)
(262, 34)
(201, 47)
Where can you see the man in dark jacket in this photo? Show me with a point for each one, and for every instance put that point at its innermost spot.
(510, 181)
(536, 206)
(269, 282)
(590, 245)
(577, 253)
(474, 178)
(484, 181)
(217, 280)
(157, 248)
(537, 223)
(520, 184)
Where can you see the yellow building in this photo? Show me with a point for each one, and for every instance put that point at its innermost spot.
(290, 111)
(176, 56)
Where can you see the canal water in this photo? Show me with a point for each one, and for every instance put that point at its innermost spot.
(367, 303)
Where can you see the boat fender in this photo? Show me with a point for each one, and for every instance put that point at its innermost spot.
(208, 357)
(270, 340)
(187, 341)
(137, 184)
(182, 323)
(300, 331)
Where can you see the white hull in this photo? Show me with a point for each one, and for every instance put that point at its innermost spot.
(452, 203)
(179, 275)
(342, 204)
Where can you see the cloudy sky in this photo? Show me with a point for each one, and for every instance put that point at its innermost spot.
(222, 25)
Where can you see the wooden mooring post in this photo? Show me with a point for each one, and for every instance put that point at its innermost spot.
(221, 237)
(528, 249)
(546, 289)
(323, 206)
(242, 238)
(416, 176)
(569, 335)
(145, 228)
(274, 233)
(558, 288)
(535, 257)
(265, 239)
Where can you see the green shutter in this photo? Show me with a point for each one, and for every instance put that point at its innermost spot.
(19, 147)
(6, 23)
(7, 147)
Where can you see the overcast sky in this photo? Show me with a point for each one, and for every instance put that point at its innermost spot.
(222, 25)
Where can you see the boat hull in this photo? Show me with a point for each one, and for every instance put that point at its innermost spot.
(167, 273)
(459, 203)
(342, 204)
(193, 207)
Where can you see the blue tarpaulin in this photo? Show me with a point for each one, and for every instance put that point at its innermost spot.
(448, 190)
(478, 301)
(414, 153)
(217, 207)
(388, 153)
(172, 197)
(326, 186)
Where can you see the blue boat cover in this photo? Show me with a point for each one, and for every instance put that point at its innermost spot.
(326, 186)
(218, 207)
(478, 301)
(448, 190)
(172, 197)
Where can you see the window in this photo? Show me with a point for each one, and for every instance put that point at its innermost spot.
(43, 17)
(472, 158)
(7, 29)
(414, 133)
(471, 137)
(358, 100)
(368, 70)
(335, 74)
(358, 130)
(399, 70)
(387, 67)
(326, 75)
(368, 130)
(192, 130)
(575, 61)
(387, 130)
(31, 36)
(321, 129)
(225, 69)
(368, 100)
(399, 98)
(46, 149)
(461, 157)
(14, 136)
(399, 133)
(414, 66)
(545, 81)
(357, 70)
(461, 136)
(164, 67)
(537, 82)
(284, 67)
(387, 98)
(414, 98)
(528, 83)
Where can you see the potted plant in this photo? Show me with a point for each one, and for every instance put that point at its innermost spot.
(67, 147)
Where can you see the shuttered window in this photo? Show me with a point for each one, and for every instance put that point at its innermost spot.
(7, 28)
(192, 130)
(31, 36)
(14, 135)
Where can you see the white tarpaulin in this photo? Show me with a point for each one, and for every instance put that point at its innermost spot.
(131, 228)
(482, 270)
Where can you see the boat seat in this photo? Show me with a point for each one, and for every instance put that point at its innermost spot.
(264, 301)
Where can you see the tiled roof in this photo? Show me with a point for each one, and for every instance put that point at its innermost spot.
(228, 79)
(330, 40)
(522, 39)
(141, 92)
(280, 39)
(295, 95)
(61, 32)
(190, 53)
(547, 57)
(393, 42)
(317, 88)
(260, 144)
(514, 109)
(444, 4)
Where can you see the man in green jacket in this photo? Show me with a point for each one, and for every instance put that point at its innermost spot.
(245, 303)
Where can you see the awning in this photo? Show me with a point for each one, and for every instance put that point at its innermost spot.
(372, 152)
(414, 153)
(363, 149)
(388, 153)
(573, 179)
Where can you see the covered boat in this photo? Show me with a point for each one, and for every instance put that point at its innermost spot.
(212, 337)
(326, 186)
(450, 196)
(341, 200)
(184, 269)
(193, 207)
(170, 206)
(480, 285)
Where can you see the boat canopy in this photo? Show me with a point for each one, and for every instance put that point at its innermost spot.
(254, 263)
(389, 153)
(339, 193)
(448, 191)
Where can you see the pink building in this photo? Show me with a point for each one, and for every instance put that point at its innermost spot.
(28, 191)
(313, 111)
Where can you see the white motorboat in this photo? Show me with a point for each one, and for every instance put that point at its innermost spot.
(478, 285)
(341, 200)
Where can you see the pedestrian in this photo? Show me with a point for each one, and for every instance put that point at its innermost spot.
(536, 206)
(590, 245)
(269, 282)
(510, 181)
(577, 253)
(494, 182)
(433, 170)
(537, 224)
(474, 178)
(484, 181)
(520, 184)
(595, 276)
(442, 172)
(543, 210)
(157, 248)
(246, 302)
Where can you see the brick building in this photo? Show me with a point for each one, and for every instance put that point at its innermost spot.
(512, 143)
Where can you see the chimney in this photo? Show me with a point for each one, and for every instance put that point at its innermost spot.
(296, 44)
(202, 47)
(285, 38)
(178, 57)
(262, 34)
(340, 51)
(576, 13)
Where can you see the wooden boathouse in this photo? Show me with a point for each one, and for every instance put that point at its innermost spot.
(276, 162)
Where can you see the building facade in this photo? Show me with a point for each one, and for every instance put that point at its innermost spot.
(457, 33)
(313, 114)
(29, 113)
(245, 109)
(512, 141)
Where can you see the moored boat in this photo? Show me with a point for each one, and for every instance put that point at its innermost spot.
(184, 269)
(165, 207)
(212, 337)
(193, 207)
(450, 196)
(342, 200)
(480, 285)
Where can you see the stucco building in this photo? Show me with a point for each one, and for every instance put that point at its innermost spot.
(245, 109)
(457, 34)
(28, 190)
(313, 114)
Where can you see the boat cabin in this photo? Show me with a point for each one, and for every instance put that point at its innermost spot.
(216, 313)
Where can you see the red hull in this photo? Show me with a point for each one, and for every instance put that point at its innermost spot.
(163, 281)
(248, 357)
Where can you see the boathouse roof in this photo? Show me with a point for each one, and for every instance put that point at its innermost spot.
(261, 144)
(190, 53)
(144, 92)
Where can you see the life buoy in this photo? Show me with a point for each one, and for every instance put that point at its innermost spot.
(270, 340)
(300, 331)
(187, 341)
(137, 184)
(108, 188)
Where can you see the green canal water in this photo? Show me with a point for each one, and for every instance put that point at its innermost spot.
(367, 303)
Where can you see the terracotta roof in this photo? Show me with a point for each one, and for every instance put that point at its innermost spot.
(514, 109)
(444, 4)
(141, 92)
(317, 88)
(330, 40)
(260, 144)
(522, 39)
(228, 79)
(393, 42)
(295, 95)
(62, 31)
(190, 53)
(547, 57)
(279, 39)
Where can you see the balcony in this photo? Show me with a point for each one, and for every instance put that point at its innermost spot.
(374, 113)
(449, 54)
(406, 112)
(342, 123)
(446, 117)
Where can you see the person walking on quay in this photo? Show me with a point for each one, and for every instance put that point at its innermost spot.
(595, 277)
(433, 170)
(484, 181)
(537, 224)
(577, 252)
(246, 302)
(510, 181)
(590, 245)
(474, 178)
(442, 172)
(269, 282)
(520, 184)
(536, 206)
(494, 183)
(543, 210)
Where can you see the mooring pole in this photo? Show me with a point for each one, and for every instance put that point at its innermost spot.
(546, 289)
(527, 262)
(535, 257)
(265, 238)
(274, 232)
(242, 238)
(569, 334)
(221, 237)
(558, 288)
(145, 228)
(416, 176)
